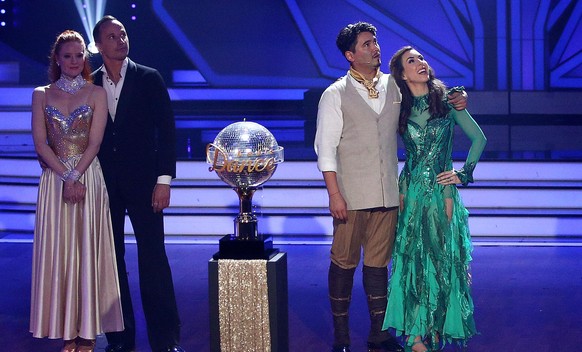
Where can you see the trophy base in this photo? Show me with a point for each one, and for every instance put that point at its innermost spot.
(231, 247)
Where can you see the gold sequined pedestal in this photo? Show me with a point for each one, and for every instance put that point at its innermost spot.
(248, 304)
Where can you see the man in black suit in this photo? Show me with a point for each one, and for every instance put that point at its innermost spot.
(138, 158)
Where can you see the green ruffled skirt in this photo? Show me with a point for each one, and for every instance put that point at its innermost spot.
(429, 290)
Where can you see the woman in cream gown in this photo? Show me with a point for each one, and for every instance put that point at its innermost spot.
(75, 290)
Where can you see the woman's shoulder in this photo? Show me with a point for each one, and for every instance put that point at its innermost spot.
(39, 93)
(42, 89)
(95, 88)
(96, 94)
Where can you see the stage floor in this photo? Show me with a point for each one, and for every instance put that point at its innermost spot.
(526, 298)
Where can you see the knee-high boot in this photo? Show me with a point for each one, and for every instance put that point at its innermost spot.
(340, 283)
(376, 288)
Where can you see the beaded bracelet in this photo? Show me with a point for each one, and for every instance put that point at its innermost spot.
(73, 175)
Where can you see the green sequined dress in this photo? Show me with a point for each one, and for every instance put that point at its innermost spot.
(429, 290)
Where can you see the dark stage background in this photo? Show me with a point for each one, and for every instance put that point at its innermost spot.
(521, 61)
(481, 44)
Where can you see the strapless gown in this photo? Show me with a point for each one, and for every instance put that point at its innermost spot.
(75, 287)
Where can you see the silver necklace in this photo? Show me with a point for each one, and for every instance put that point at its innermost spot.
(71, 86)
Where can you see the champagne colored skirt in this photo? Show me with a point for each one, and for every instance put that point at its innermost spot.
(75, 287)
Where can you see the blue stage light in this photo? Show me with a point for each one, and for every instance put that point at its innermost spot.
(133, 7)
(5, 13)
(90, 12)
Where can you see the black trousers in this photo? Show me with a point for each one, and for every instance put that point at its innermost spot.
(131, 191)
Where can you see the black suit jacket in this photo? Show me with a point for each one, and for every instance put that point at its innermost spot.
(143, 136)
(138, 147)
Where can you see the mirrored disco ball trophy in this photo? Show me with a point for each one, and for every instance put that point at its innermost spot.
(244, 155)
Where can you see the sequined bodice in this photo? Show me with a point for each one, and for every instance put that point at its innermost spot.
(68, 136)
(428, 141)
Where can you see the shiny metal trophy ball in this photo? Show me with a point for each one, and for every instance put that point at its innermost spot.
(244, 155)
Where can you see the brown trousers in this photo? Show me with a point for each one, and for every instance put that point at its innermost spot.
(370, 230)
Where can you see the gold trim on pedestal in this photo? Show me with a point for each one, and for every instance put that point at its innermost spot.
(243, 305)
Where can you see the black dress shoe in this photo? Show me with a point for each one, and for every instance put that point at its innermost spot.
(341, 348)
(119, 347)
(173, 348)
(390, 345)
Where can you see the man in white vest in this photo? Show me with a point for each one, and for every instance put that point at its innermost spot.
(356, 145)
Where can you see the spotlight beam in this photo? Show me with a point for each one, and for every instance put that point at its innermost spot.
(90, 12)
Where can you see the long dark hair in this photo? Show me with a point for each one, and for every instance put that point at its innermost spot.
(436, 91)
(54, 71)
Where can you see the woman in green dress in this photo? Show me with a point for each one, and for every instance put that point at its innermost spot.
(429, 299)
